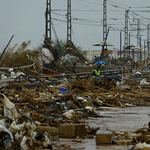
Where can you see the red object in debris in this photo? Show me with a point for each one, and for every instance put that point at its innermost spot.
(88, 130)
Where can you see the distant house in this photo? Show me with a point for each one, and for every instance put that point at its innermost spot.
(133, 54)
(115, 53)
(90, 54)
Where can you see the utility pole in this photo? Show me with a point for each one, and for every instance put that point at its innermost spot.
(138, 36)
(129, 44)
(48, 19)
(144, 50)
(126, 30)
(104, 20)
(148, 38)
(68, 20)
(104, 44)
(138, 32)
(140, 49)
(133, 53)
(120, 44)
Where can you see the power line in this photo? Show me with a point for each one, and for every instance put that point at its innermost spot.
(79, 19)
(142, 7)
(114, 11)
(87, 7)
(141, 11)
(119, 4)
(97, 10)
(136, 17)
(58, 14)
(91, 2)
(74, 35)
(77, 22)
(98, 23)
(82, 10)
(75, 18)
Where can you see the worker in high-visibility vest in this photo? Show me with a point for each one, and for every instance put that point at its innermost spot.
(96, 71)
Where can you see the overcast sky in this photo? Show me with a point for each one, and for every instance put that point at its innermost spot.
(26, 20)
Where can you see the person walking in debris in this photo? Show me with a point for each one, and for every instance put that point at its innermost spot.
(96, 58)
(96, 71)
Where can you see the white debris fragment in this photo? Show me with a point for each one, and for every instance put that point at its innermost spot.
(110, 95)
(37, 123)
(69, 114)
(118, 83)
(23, 144)
(14, 127)
(3, 128)
(116, 94)
(89, 108)
(80, 98)
(143, 82)
(127, 104)
(9, 105)
(141, 146)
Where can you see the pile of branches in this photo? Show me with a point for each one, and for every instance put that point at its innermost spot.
(72, 50)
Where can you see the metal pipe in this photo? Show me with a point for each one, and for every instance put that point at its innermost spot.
(6, 47)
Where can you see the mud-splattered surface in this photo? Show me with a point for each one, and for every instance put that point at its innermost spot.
(117, 119)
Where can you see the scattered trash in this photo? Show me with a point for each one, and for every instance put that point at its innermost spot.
(34, 106)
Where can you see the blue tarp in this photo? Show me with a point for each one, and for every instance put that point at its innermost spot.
(63, 90)
(99, 62)
(146, 69)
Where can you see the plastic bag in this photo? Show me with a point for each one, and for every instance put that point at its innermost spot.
(143, 82)
(69, 114)
(14, 127)
(9, 105)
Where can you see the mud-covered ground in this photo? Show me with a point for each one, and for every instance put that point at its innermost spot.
(116, 119)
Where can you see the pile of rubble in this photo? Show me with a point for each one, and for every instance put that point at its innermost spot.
(70, 61)
(37, 110)
(35, 117)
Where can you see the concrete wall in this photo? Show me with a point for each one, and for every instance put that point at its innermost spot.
(136, 54)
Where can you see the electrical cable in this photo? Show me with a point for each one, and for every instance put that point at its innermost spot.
(81, 10)
(91, 2)
(115, 11)
(87, 7)
(118, 3)
(90, 22)
(57, 14)
(74, 18)
(73, 35)
(76, 22)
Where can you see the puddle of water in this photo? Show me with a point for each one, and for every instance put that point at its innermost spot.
(122, 119)
(89, 144)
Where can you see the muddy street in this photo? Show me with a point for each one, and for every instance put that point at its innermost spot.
(117, 119)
